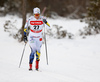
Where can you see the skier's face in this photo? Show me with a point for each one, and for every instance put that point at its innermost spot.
(37, 16)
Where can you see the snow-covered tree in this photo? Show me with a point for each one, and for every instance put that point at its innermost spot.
(92, 18)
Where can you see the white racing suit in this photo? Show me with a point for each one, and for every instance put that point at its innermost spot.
(35, 35)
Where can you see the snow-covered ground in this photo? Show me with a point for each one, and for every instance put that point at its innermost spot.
(76, 60)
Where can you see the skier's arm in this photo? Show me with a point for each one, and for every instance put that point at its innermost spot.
(25, 30)
(46, 23)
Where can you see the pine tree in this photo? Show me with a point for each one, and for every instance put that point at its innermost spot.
(92, 18)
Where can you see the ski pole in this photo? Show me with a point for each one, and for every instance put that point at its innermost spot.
(45, 37)
(45, 46)
(22, 55)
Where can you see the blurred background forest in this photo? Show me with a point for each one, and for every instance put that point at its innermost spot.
(87, 10)
(66, 8)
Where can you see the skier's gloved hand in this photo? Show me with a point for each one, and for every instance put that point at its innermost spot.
(25, 38)
(45, 21)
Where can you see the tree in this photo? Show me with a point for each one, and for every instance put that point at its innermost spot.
(24, 19)
(92, 18)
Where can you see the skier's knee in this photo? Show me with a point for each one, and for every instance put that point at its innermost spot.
(37, 56)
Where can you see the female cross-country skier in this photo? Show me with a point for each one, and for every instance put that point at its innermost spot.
(36, 24)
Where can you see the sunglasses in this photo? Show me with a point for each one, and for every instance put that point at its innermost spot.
(36, 14)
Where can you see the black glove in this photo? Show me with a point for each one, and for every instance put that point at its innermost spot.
(44, 20)
(25, 38)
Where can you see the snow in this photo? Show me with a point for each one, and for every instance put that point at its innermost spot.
(70, 60)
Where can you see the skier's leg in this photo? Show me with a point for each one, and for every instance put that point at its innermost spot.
(37, 60)
(31, 58)
(37, 55)
(39, 44)
(32, 44)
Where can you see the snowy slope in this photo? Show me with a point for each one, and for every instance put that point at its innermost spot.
(76, 60)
